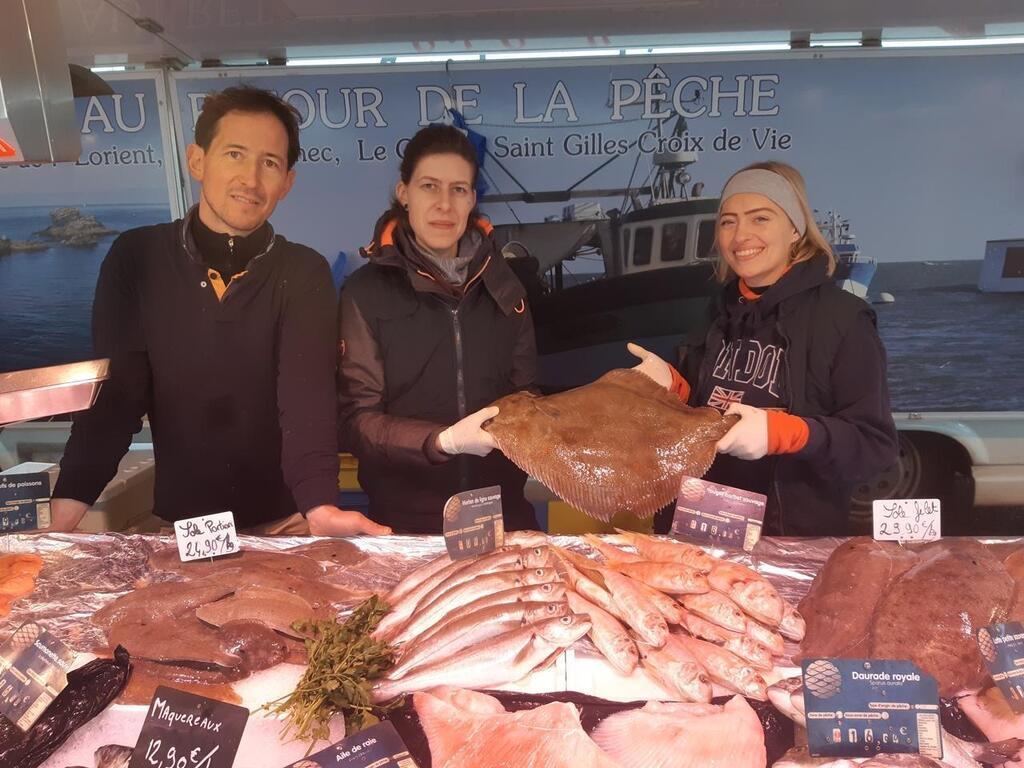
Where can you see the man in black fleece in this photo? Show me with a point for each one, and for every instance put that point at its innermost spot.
(225, 335)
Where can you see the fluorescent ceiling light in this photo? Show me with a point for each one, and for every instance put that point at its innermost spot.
(339, 61)
(436, 58)
(112, 68)
(716, 48)
(582, 53)
(835, 43)
(962, 42)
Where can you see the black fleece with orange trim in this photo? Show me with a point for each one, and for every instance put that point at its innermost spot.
(417, 355)
(832, 375)
(239, 388)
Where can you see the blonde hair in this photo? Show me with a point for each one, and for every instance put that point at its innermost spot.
(810, 245)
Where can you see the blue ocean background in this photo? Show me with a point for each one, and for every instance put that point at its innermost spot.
(950, 347)
(46, 296)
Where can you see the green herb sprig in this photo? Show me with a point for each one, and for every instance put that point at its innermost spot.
(344, 660)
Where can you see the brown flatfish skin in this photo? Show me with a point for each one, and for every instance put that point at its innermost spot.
(619, 444)
(932, 613)
(839, 606)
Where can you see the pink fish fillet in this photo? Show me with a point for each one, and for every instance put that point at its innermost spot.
(547, 737)
(705, 736)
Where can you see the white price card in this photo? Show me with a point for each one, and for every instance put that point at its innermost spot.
(206, 536)
(907, 519)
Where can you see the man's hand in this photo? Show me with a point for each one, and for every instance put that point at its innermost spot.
(651, 366)
(468, 436)
(66, 514)
(748, 438)
(328, 520)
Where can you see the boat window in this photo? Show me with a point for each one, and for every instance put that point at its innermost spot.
(673, 241)
(642, 240)
(706, 239)
(1013, 264)
(625, 247)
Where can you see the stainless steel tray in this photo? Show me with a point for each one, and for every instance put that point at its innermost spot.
(41, 392)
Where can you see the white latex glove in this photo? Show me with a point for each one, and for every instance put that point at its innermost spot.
(467, 436)
(748, 438)
(328, 520)
(651, 366)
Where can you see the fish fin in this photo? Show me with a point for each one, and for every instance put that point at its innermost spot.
(609, 552)
(587, 567)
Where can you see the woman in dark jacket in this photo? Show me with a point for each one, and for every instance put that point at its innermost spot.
(799, 359)
(433, 329)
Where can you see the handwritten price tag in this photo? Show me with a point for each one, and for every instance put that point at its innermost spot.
(907, 519)
(183, 730)
(206, 536)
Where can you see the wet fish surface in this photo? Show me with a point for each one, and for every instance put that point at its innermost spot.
(618, 444)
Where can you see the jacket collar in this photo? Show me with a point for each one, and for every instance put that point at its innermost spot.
(389, 248)
(188, 240)
(799, 278)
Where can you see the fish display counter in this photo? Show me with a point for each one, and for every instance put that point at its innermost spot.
(598, 638)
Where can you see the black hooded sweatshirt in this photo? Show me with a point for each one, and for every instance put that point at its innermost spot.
(821, 359)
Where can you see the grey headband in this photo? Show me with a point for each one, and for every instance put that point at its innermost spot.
(772, 185)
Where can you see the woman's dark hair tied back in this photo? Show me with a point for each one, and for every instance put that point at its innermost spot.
(435, 139)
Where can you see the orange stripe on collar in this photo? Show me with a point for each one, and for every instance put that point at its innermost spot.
(387, 235)
(746, 293)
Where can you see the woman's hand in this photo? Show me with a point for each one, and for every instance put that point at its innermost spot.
(468, 436)
(651, 366)
(748, 438)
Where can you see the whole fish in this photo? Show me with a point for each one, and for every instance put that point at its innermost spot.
(716, 608)
(475, 628)
(402, 609)
(586, 587)
(619, 444)
(610, 552)
(749, 590)
(160, 601)
(769, 638)
(610, 637)
(504, 659)
(792, 626)
(552, 591)
(673, 612)
(276, 608)
(630, 602)
(661, 551)
(706, 630)
(672, 578)
(639, 611)
(428, 615)
(677, 670)
(750, 651)
(416, 577)
(535, 557)
(725, 667)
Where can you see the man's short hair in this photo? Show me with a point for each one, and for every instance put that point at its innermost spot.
(247, 98)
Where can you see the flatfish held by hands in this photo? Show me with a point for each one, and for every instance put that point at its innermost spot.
(618, 444)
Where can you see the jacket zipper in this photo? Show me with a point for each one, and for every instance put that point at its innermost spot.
(789, 409)
(460, 377)
(460, 388)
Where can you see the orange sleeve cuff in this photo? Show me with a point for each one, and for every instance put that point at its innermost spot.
(679, 385)
(786, 433)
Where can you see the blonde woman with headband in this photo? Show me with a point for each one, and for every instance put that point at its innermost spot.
(799, 360)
